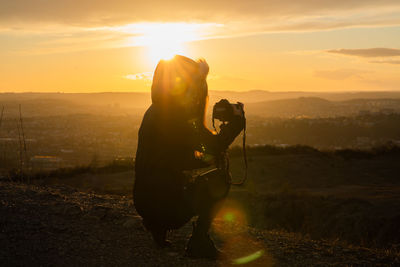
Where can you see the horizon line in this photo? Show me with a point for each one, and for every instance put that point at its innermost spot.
(215, 90)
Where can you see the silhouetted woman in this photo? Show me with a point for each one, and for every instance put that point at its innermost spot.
(175, 148)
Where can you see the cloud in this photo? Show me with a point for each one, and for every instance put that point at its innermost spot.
(279, 14)
(339, 74)
(108, 24)
(147, 76)
(52, 39)
(386, 61)
(369, 52)
(76, 41)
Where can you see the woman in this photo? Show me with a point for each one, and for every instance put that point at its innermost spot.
(173, 145)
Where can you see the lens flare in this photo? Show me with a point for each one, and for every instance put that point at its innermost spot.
(229, 217)
(249, 258)
(232, 218)
(241, 247)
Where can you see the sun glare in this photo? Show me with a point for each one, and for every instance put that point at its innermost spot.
(164, 40)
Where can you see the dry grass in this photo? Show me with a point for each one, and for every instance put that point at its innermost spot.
(352, 196)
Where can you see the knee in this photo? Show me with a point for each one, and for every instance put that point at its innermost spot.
(218, 184)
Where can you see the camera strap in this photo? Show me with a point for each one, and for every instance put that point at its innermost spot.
(244, 156)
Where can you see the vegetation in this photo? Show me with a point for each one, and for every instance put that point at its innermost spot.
(347, 195)
(116, 166)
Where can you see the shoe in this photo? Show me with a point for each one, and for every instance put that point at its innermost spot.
(159, 237)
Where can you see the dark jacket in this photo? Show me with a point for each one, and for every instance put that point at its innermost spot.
(166, 147)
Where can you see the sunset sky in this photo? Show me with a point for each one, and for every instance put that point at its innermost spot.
(277, 45)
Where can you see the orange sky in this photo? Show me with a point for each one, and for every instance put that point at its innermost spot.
(97, 46)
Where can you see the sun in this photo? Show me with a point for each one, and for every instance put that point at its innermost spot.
(164, 40)
(161, 49)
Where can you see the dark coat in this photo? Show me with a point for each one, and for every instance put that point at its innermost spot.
(166, 148)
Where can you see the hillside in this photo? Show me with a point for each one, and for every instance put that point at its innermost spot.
(60, 226)
(347, 195)
(321, 107)
(257, 103)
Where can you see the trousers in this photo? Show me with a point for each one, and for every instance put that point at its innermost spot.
(170, 200)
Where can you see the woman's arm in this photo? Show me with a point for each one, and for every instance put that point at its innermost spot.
(217, 143)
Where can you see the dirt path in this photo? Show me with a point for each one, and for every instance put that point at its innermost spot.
(59, 226)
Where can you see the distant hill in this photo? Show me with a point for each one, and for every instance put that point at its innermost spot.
(303, 106)
(52, 104)
(134, 99)
(257, 102)
(318, 107)
(260, 95)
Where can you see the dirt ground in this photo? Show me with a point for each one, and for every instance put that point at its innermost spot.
(60, 226)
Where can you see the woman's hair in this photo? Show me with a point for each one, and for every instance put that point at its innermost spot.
(181, 83)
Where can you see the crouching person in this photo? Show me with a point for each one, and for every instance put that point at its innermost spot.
(181, 169)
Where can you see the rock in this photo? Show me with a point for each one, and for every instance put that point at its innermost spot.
(99, 211)
(60, 228)
(72, 210)
(173, 254)
(91, 218)
(132, 223)
(112, 214)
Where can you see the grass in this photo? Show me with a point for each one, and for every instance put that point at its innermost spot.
(348, 195)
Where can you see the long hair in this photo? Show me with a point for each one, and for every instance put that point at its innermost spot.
(180, 85)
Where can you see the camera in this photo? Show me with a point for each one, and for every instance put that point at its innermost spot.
(225, 111)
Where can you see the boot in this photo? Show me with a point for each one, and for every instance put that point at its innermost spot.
(200, 245)
(159, 235)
